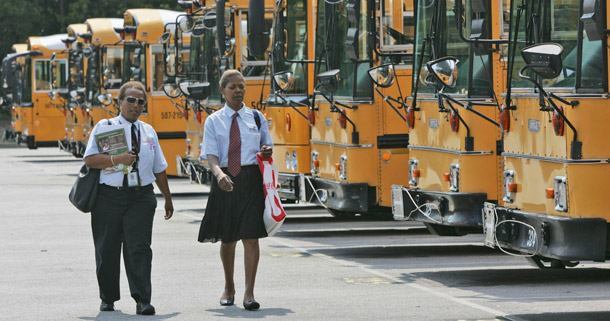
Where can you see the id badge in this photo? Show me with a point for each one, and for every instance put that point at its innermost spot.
(133, 179)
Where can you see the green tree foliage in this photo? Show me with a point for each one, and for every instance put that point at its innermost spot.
(21, 19)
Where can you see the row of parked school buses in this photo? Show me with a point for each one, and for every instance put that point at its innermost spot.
(469, 116)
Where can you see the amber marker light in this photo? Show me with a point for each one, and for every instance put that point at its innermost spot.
(386, 156)
(316, 163)
(417, 172)
(550, 193)
(337, 166)
(512, 187)
(446, 177)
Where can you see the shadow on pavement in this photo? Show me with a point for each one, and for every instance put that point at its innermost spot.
(237, 312)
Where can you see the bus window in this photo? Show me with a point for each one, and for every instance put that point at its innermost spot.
(158, 74)
(397, 27)
(43, 70)
(252, 66)
(113, 68)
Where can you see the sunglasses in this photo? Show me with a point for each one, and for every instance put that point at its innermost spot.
(132, 100)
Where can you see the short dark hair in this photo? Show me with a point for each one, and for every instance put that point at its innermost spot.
(131, 85)
(227, 75)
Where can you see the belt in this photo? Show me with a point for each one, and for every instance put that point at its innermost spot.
(122, 188)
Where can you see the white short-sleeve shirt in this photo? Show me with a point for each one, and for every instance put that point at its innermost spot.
(151, 159)
(216, 132)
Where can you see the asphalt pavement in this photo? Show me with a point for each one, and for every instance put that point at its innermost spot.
(316, 268)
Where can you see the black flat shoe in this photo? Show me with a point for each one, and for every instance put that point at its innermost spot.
(252, 305)
(227, 302)
(145, 309)
(105, 306)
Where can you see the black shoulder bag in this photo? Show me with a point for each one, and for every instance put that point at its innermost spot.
(84, 190)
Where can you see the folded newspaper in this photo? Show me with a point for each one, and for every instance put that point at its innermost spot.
(113, 140)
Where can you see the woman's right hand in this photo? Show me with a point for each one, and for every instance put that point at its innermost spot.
(224, 182)
(127, 158)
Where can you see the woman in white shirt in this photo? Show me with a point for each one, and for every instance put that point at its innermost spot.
(232, 137)
(125, 204)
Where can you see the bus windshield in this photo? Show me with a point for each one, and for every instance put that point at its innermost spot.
(295, 31)
(437, 37)
(558, 22)
(332, 52)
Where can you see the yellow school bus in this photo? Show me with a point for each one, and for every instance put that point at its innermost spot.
(17, 88)
(455, 138)
(143, 60)
(555, 164)
(358, 142)
(49, 71)
(219, 41)
(71, 96)
(102, 76)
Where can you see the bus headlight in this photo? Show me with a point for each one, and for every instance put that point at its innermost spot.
(187, 151)
(288, 160)
(413, 172)
(315, 163)
(561, 191)
(454, 177)
(508, 186)
(294, 161)
(343, 168)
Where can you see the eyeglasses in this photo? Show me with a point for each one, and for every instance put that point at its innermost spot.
(132, 100)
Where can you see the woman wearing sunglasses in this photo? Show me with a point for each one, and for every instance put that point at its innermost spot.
(232, 137)
(125, 206)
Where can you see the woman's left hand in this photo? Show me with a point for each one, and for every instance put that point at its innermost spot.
(169, 209)
(266, 151)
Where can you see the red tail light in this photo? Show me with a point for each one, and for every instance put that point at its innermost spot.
(198, 115)
(342, 119)
(558, 122)
(312, 116)
(410, 117)
(454, 121)
(288, 122)
(186, 114)
(504, 117)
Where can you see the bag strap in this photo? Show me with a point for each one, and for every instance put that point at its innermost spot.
(257, 119)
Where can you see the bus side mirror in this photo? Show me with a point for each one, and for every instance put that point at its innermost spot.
(105, 99)
(283, 80)
(382, 76)
(593, 19)
(443, 71)
(329, 80)
(199, 91)
(544, 59)
(258, 39)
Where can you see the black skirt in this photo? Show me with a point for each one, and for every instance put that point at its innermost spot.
(235, 215)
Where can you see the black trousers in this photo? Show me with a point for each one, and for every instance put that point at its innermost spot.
(123, 218)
